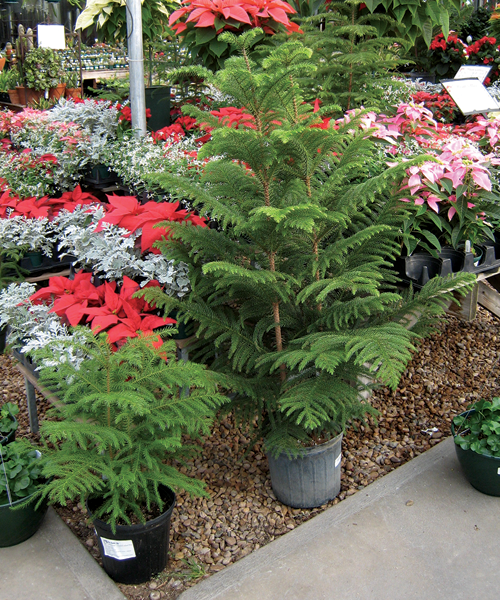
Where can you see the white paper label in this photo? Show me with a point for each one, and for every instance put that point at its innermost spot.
(498, 471)
(119, 549)
(337, 460)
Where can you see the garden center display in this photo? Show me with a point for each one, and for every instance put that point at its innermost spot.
(243, 276)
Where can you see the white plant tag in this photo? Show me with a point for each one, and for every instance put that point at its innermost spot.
(119, 549)
(337, 460)
(498, 471)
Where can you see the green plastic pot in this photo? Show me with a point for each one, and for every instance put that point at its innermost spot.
(184, 330)
(35, 258)
(480, 470)
(19, 524)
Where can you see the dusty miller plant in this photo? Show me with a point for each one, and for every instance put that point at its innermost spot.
(33, 326)
(26, 235)
(113, 253)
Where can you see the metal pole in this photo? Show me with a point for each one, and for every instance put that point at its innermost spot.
(136, 67)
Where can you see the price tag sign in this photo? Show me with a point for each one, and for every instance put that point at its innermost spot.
(473, 72)
(51, 36)
(470, 96)
(119, 549)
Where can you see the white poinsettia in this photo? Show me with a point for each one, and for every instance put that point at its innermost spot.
(97, 12)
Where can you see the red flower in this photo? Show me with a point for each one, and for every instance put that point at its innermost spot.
(255, 13)
(71, 296)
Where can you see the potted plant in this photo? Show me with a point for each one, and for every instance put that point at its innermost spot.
(8, 423)
(117, 440)
(73, 89)
(476, 433)
(11, 80)
(20, 481)
(290, 290)
(10, 272)
(43, 70)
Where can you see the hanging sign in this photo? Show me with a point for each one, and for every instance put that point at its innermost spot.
(51, 36)
(473, 72)
(470, 96)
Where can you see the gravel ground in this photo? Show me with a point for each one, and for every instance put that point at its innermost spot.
(449, 371)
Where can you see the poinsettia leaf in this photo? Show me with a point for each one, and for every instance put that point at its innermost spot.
(203, 36)
(218, 48)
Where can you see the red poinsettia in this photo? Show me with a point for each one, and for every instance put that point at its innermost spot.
(102, 307)
(71, 296)
(70, 200)
(128, 213)
(228, 14)
(37, 208)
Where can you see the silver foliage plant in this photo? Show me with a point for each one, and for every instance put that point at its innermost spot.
(33, 326)
(35, 235)
(98, 121)
(113, 252)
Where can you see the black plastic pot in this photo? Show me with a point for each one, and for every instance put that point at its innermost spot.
(309, 480)
(185, 330)
(481, 471)
(3, 338)
(18, 525)
(99, 176)
(135, 553)
(455, 257)
(158, 101)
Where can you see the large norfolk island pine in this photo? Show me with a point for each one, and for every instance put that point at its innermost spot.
(292, 290)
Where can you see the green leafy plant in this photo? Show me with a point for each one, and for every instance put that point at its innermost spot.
(353, 66)
(476, 25)
(20, 475)
(291, 287)
(43, 69)
(71, 79)
(109, 17)
(478, 429)
(8, 422)
(9, 79)
(416, 19)
(120, 423)
(10, 269)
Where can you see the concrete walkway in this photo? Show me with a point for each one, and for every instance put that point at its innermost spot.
(53, 565)
(421, 532)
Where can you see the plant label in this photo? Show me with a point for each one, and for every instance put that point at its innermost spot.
(470, 95)
(470, 71)
(337, 460)
(498, 471)
(119, 549)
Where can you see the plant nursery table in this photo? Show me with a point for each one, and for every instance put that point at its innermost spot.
(98, 74)
(486, 292)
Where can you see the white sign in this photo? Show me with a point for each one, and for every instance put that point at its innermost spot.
(470, 96)
(119, 549)
(337, 460)
(473, 72)
(51, 36)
